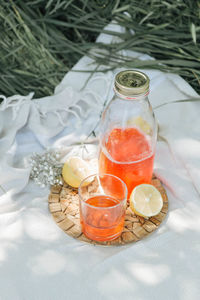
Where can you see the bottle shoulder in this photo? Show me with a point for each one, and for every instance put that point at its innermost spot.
(129, 113)
(121, 107)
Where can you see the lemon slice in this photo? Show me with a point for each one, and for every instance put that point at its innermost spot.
(141, 123)
(146, 200)
(75, 170)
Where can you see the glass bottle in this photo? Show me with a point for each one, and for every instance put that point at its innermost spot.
(128, 131)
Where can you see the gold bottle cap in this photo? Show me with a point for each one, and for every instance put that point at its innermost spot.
(131, 83)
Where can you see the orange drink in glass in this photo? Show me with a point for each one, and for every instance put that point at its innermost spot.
(102, 206)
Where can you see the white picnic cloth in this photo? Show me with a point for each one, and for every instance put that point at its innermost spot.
(37, 259)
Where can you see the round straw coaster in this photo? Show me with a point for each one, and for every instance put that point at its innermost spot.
(64, 207)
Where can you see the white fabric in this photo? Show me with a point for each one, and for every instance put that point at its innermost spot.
(37, 259)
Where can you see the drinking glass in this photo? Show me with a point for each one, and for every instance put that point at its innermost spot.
(102, 200)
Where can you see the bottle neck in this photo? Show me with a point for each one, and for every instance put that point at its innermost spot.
(131, 97)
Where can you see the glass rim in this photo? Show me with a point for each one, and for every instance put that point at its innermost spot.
(99, 175)
(131, 97)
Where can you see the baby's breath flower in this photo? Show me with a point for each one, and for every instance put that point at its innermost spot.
(46, 168)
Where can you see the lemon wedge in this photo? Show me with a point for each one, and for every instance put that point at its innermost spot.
(146, 201)
(141, 123)
(75, 170)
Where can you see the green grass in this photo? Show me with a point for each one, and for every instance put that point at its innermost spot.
(42, 40)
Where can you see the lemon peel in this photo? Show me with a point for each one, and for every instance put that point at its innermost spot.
(141, 123)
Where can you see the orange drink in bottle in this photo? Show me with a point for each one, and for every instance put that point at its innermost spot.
(128, 155)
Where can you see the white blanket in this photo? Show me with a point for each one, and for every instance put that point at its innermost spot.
(37, 259)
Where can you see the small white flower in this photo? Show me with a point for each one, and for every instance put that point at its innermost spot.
(46, 168)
